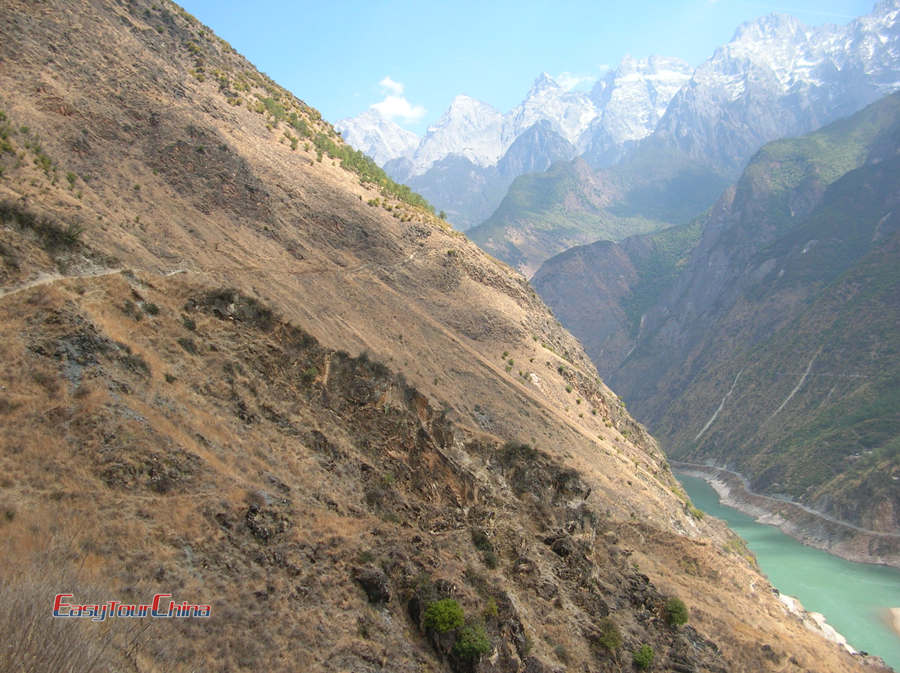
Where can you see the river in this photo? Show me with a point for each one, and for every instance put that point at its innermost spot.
(854, 597)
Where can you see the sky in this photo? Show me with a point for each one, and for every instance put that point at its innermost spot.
(410, 58)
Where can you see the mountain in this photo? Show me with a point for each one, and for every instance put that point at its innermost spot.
(467, 160)
(569, 112)
(377, 137)
(775, 78)
(243, 368)
(762, 337)
(778, 78)
(602, 291)
(631, 99)
(470, 192)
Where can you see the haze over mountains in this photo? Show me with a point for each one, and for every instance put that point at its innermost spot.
(663, 144)
(243, 367)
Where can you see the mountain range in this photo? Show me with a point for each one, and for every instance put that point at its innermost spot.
(463, 163)
(776, 78)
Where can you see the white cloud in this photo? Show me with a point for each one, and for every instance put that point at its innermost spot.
(397, 106)
(391, 86)
(568, 80)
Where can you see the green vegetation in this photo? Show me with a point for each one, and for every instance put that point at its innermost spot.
(444, 615)
(609, 635)
(643, 657)
(52, 235)
(6, 130)
(188, 345)
(660, 260)
(368, 170)
(472, 643)
(676, 612)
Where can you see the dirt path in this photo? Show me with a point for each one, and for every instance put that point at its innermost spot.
(47, 278)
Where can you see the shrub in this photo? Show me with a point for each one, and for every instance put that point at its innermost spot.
(676, 612)
(444, 615)
(472, 643)
(481, 540)
(561, 653)
(188, 345)
(643, 656)
(610, 637)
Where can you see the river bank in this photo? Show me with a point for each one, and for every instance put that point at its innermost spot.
(802, 523)
(894, 616)
(858, 600)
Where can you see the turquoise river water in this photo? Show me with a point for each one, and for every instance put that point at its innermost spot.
(854, 597)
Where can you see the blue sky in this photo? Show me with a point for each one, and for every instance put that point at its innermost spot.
(414, 57)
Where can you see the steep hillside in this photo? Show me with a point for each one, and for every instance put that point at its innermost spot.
(601, 291)
(242, 367)
(773, 350)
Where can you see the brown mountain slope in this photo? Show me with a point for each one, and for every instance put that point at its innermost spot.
(161, 433)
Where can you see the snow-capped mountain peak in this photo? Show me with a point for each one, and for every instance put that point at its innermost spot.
(631, 100)
(378, 137)
(469, 128)
(542, 84)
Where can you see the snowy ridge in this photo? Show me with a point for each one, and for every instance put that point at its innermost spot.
(625, 106)
(378, 137)
(778, 77)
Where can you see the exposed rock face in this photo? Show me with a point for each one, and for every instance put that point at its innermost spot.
(631, 100)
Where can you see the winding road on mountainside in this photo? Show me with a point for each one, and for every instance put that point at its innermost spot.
(703, 469)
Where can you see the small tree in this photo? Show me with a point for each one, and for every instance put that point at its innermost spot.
(610, 636)
(643, 656)
(472, 643)
(444, 615)
(676, 612)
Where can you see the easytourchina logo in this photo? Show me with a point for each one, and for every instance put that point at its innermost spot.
(158, 607)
